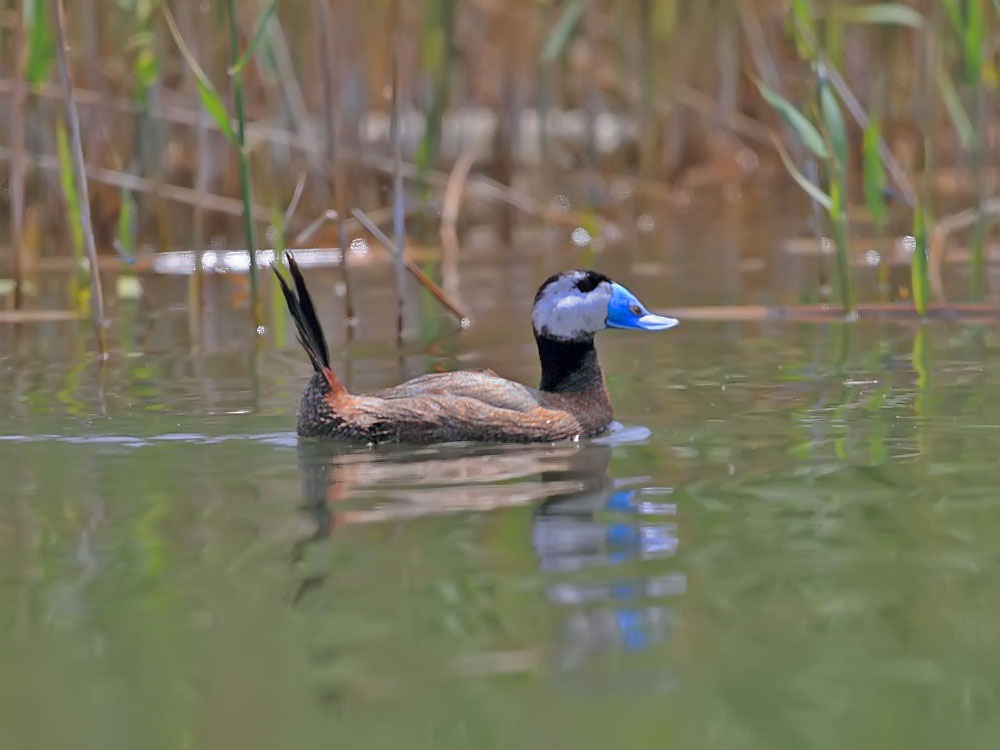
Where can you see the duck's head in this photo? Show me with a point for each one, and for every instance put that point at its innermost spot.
(574, 305)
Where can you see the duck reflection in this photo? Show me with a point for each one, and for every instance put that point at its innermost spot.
(344, 486)
(595, 537)
(615, 522)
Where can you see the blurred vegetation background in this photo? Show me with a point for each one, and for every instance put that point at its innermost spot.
(186, 126)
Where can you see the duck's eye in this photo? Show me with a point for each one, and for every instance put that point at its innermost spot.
(635, 310)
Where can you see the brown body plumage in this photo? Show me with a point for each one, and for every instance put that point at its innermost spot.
(572, 400)
(451, 406)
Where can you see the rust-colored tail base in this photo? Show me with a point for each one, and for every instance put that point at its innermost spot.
(311, 336)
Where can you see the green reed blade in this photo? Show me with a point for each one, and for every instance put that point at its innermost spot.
(41, 46)
(145, 66)
(896, 14)
(436, 53)
(973, 35)
(953, 9)
(279, 322)
(563, 31)
(836, 132)
(978, 103)
(128, 286)
(141, 8)
(74, 149)
(125, 233)
(207, 93)
(797, 121)
(258, 37)
(67, 184)
(956, 112)
(804, 182)
(841, 242)
(874, 182)
(664, 18)
(142, 43)
(833, 40)
(919, 267)
(212, 103)
(804, 28)
(244, 161)
(836, 128)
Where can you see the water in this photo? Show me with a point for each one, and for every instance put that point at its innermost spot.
(790, 542)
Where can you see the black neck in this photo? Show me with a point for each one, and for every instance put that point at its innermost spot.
(568, 366)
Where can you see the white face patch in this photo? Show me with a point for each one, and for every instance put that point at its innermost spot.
(564, 312)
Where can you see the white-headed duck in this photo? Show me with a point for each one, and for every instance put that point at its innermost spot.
(572, 400)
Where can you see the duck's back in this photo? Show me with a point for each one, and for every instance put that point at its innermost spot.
(441, 407)
(482, 385)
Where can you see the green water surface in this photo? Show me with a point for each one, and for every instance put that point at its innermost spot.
(792, 542)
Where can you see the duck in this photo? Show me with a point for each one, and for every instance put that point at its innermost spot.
(570, 403)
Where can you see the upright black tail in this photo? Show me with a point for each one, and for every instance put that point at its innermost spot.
(304, 314)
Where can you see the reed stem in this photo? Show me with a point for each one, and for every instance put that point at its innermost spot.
(203, 138)
(841, 240)
(439, 294)
(398, 198)
(245, 187)
(979, 232)
(80, 178)
(647, 133)
(18, 115)
(335, 170)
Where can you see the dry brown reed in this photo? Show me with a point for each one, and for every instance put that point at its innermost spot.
(376, 104)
